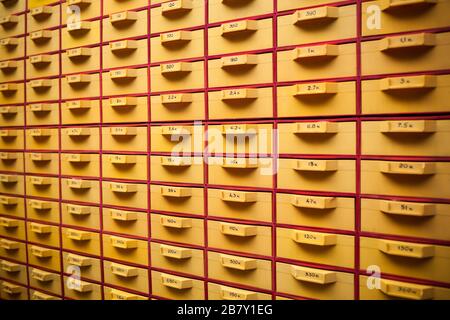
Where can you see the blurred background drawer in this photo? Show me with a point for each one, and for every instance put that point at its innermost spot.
(177, 199)
(125, 139)
(131, 223)
(80, 164)
(42, 163)
(44, 257)
(133, 195)
(178, 288)
(80, 190)
(80, 112)
(125, 249)
(13, 271)
(12, 228)
(44, 187)
(81, 290)
(42, 114)
(229, 10)
(89, 268)
(12, 206)
(178, 107)
(81, 241)
(126, 276)
(122, 166)
(13, 250)
(80, 216)
(47, 235)
(125, 109)
(177, 229)
(125, 53)
(46, 281)
(11, 161)
(221, 292)
(177, 45)
(173, 138)
(125, 24)
(80, 60)
(46, 211)
(176, 169)
(182, 75)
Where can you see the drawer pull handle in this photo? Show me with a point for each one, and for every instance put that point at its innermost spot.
(123, 102)
(122, 159)
(175, 252)
(238, 230)
(9, 223)
(120, 215)
(408, 83)
(238, 196)
(125, 18)
(177, 223)
(123, 188)
(227, 293)
(124, 271)
(79, 79)
(315, 165)
(406, 249)
(239, 27)
(8, 133)
(78, 105)
(36, 295)
(41, 13)
(244, 60)
(123, 131)
(40, 133)
(41, 252)
(176, 98)
(41, 107)
(78, 210)
(122, 243)
(313, 275)
(408, 168)
(8, 178)
(40, 84)
(176, 130)
(315, 52)
(10, 267)
(8, 87)
(40, 60)
(175, 37)
(175, 282)
(117, 295)
(123, 74)
(40, 228)
(176, 68)
(238, 263)
(41, 36)
(314, 238)
(79, 261)
(77, 235)
(78, 184)
(400, 4)
(40, 157)
(78, 132)
(408, 208)
(239, 163)
(79, 27)
(239, 94)
(321, 127)
(8, 110)
(406, 290)
(239, 129)
(176, 192)
(8, 201)
(412, 126)
(321, 14)
(77, 157)
(40, 205)
(176, 7)
(9, 21)
(419, 40)
(40, 181)
(79, 286)
(78, 53)
(9, 245)
(309, 202)
(8, 65)
(11, 289)
(42, 276)
(176, 162)
(10, 42)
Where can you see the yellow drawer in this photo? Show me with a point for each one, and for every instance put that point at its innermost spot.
(177, 229)
(241, 69)
(317, 175)
(406, 137)
(221, 292)
(238, 237)
(423, 261)
(284, 5)
(177, 45)
(178, 14)
(38, 295)
(12, 47)
(42, 163)
(12, 184)
(317, 62)
(44, 187)
(178, 107)
(409, 219)
(126, 24)
(47, 235)
(81, 241)
(80, 138)
(179, 259)
(134, 195)
(13, 250)
(12, 228)
(10, 291)
(80, 164)
(125, 81)
(241, 103)
(11, 161)
(80, 60)
(88, 9)
(12, 25)
(173, 138)
(80, 33)
(46, 281)
(402, 16)
(124, 276)
(245, 205)
(114, 294)
(10, 7)
(125, 249)
(80, 112)
(314, 283)
(177, 288)
(317, 24)
(245, 172)
(12, 206)
(399, 290)
(406, 53)
(43, 17)
(80, 85)
(42, 138)
(42, 41)
(125, 53)
(125, 139)
(121, 166)
(240, 36)
(42, 114)
(11, 93)
(174, 76)
(80, 216)
(12, 116)
(81, 290)
(409, 179)
(44, 257)
(229, 10)
(42, 65)
(317, 137)
(177, 199)
(244, 271)
(317, 212)
(125, 109)
(316, 247)
(11, 139)
(13, 271)
(176, 169)
(89, 268)
(80, 190)
(408, 94)
(11, 70)
(46, 211)
(117, 5)
(132, 223)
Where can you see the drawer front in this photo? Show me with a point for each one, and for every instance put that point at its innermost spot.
(88, 10)
(125, 249)
(317, 62)
(126, 276)
(80, 139)
(125, 81)
(42, 114)
(43, 17)
(13, 29)
(177, 199)
(406, 137)
(114, 294)
(423, 261)
(80, 164)
(81, 112)
(80, 216)
(125, 109)
(12, 93)
(250, 172)
(177, 45)
(245, 271)
(177, 288)
(317, 212)
(177, 229)
(81, 241)
(13, 250)
(37, 295)
(12, 184)
(11, 139)
(178, 107)
(12, 116)
(80, 60)
(42, 163)
(46, 211)
(42, 90)
(240, 237)
(42, 41)
(317, 175)
(317, 25)
(125, 53)
(409, 219)
(125, 139)
(407, 53)
(12, 51)
(126, 24)
(82, 33)
(12, 206)
(13, 271)
(11, 161)
(8, 8)
(174, 76)
(314, 283)
(89, 268)
(120, 166)
(81, 290)
(408, 94)
(42, 139)
(117, 5)
(179, 259)
(42, 187)
(46, 281)
(318, 137)
(12, 70)
(181, 139)
(132, 195)
(12, 228)
(221, 292)
(43, 234)
(316, 247)
(132, 223)
(80, 190)
(176, 169)
(80, 85)
(235, 204)
(409, 179)
(44, 257)
(284, 5)
(45, 65)
(228, 10)
(241, 69)
(10, 291)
